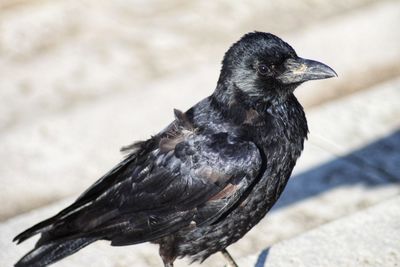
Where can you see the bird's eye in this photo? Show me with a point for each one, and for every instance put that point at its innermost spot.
(263, 69)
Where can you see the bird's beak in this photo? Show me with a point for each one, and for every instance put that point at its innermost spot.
(299, 70)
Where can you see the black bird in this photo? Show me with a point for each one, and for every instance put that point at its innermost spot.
(205, 180)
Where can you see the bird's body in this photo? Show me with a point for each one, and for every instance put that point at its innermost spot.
(270, 178)
(205, 180)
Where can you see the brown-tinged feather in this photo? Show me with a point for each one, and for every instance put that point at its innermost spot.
(226, 192)
(251, 116)
(211, 175)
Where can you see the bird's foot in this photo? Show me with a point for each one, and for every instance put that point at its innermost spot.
(230, 261)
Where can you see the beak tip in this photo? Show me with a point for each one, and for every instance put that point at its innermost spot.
(319, 71)
(301, 70)
(333, 73)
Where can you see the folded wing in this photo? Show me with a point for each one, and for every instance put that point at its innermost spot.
(167, 182)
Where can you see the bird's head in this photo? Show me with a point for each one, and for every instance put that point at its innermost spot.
(261, 65)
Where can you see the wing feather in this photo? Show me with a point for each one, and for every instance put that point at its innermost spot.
(169, 181)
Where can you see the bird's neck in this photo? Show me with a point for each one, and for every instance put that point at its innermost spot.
(283, 115)
(234, 104)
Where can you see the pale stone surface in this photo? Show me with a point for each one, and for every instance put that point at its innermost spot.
(53, 149)
(325, 187)
(351, 122)
(55, 55)
(62, 95)
(368, 238)
(56, 130)
(362, 47)
(61, 154)
(334, 188)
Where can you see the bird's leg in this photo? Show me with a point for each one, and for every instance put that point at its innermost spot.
(229, 259)
(168, 262)
(167, 251)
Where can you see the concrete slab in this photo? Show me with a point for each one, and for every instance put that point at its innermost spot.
(75, 52)
(60, 151)
(324, 188)
(367, 238)
(335, 188)
(363, 50)
(46, 151)
(354, 121)
(61, 154)
(142, 255)
(302, 207)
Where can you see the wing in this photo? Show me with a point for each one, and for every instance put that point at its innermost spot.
(167, 182)
(196, 180)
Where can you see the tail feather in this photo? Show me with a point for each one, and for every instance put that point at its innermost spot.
(36, 229)
(51, 252)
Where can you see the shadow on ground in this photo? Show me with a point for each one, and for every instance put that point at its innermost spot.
(373, 165)
(376, 164)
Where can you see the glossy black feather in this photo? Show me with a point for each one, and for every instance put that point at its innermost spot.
(132, 203)
(206, 179)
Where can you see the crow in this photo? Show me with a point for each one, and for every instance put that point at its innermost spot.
(204, 181)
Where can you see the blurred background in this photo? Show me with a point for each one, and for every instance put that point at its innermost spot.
(80, 79)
